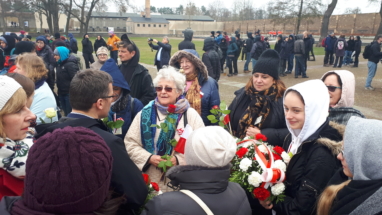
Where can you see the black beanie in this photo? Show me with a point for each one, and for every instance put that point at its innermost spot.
(57, 35)
(24, 46)
(268, 63)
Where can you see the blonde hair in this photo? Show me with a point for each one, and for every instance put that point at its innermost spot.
(33, 66)
(14, 104)
(327, 198)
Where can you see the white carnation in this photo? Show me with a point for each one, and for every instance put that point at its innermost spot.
(280, 165)
(254, 179)
(263, 149)
(160, 192)
(245, 164)
(285, 157)
(278, 189)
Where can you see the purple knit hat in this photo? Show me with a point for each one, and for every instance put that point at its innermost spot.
(67, 172)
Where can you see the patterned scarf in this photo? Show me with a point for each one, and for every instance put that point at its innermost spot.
(260, 106)
(149, 117)
(193, 93)
(121, 103)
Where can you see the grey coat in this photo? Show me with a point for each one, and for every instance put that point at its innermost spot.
(209, 184)
(299, 46)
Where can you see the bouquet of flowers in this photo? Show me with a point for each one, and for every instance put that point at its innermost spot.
(153, 189)
(260, 168)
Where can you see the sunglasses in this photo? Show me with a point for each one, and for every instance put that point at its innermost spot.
(167, 89)
(333, 88)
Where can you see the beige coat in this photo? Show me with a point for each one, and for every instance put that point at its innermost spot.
(140, 156)
(96, 65)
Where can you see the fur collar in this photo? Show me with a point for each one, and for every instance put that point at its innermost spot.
(198, 64)
(334, 146)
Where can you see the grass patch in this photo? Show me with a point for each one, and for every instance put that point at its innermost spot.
(147, 56)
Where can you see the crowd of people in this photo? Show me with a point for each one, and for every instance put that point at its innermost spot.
(61, 152)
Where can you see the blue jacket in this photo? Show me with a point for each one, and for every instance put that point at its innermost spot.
(232, 48)
(210, 98)
(218, 39)
(329, 43)
(72, 39)
(125, 100)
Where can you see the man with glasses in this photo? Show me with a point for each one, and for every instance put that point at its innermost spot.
(91, 95)
(136, 75)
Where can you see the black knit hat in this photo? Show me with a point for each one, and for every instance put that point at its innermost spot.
(268, 63)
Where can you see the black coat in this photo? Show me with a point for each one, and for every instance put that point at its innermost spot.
(283, 53)
(274, 126)
(309, 171)
(47, 56)
(65, 73)
(358, 46)
(351, 45)
(209, 184)
(278, 46)
(308, 45)
(239, 44)
(164, 55)
(249, 42)
(87, 46)
(290, 46)
(186, 43)
(376, 53)
(126, 179)
(211, 59)
(99, 43)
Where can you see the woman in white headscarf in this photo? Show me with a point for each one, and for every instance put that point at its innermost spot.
(313, 144)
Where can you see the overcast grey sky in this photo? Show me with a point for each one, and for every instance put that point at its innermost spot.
(341, 5)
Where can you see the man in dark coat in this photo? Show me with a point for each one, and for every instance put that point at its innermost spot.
(248, 47)
(186, 43)
(91, 93)
(87, 51)
(372, 63)
(308, 46)
(211, 59)
(136, 75)
(164, 52)
(329, 49)
(357, 49)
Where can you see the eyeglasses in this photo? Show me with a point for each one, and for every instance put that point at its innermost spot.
(106, 97)
(333, 88)
(167, 89)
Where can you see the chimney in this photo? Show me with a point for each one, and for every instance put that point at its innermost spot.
(147, 9)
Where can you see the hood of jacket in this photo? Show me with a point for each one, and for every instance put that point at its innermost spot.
(70, 35)
(200, 179)
(42, 38)
(299, 37)
(118, 80)
(233, 40)
(257, 39)
(200, 68)
(316, 99)
(192, 51)
(24, 46)
(84, 36)
(348, 87)
(63, 52)
(188, 33)
(362, 148)
(209, 44)
(249, 35)
(10, 43)
(291, 36)
(358, 38)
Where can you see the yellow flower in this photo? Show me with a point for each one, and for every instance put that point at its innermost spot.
(50, 112)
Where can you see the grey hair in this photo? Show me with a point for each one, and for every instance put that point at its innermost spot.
(171, 74)
(166, 37)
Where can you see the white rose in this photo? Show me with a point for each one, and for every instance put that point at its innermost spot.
(280, 165)
(263, 149)
(50, 112)
(254, 179)
(245, 164)
(160, 192)
(278, 189)
(285, 157)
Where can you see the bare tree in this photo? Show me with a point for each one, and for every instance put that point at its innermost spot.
(349, 10)
(50, 8)
(325, 20)
(379, 31)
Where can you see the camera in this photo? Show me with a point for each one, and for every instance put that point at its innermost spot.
(149, 39)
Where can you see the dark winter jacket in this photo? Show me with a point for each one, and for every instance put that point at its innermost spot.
(340, 52)
(307, 45)
(211, 185)
(290, 45)
(11, 43)
(138, 78)
(357, 197)
(239, 44)
(358, 45)
(65, 72)
(249, 42)
(258, 48)
(6, 204)
(274, 126)
(278, 43)
(73, 43)
(47, 55)
(223, 46)
(186, 43)
(126, 179)
(351, 45)
(126, 107)
(209, 86)
(310, 170)
(341, 115)
(299, 46)
(312, 42)
(99, 43)
(211, 58)
(283, 52)
(87, 46)
(329, 43)
(232, 48)
(53, 45)
(164, 55)
(376, 53)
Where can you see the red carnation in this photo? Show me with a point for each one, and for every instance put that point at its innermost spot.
(120, 118)
(261, 193)
(155, 186)
(278, 150)
(145, 178)
(241, 152)
(276, 156)
(260, 136)
(171, 108)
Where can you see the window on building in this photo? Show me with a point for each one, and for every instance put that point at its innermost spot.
(148, 25)
(159, 26)
(155, 25)
(144, 25)
(138, 25)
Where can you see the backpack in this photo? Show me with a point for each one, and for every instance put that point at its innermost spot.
(323, 42)
(367, 52)
(74, 47)
(260, 48)
(219, 51)
(340, 45)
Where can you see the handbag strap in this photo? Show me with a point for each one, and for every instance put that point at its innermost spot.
(198, 200)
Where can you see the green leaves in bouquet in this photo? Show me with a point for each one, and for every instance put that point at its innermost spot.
(279, 198)
(173, 142)
(111, 124)
(217, 114)
(165, 164)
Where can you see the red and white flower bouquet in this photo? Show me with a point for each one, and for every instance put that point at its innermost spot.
(260, 168)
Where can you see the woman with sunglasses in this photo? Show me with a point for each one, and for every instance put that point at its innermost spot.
(201, 90)
(313, 144)
(341, 87)
(361, 193)
(146, 144)
(123, 106)
(15, 142)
